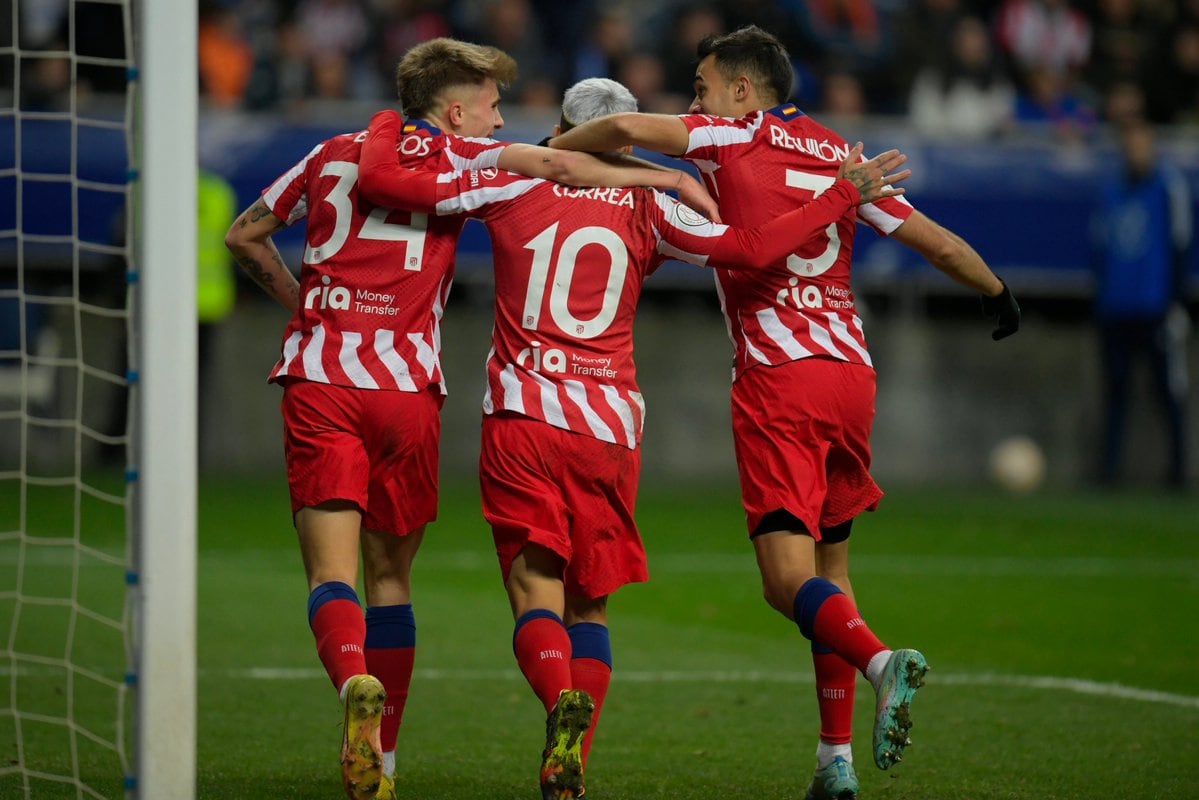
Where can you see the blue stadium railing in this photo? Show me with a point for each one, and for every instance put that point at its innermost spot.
(1023, 204)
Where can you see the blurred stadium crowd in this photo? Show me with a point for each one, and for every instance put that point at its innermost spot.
(961, 68)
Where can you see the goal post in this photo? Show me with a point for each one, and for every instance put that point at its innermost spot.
(164, 352)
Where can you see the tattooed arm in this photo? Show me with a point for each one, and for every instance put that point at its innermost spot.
(249, 239)
(874, 179)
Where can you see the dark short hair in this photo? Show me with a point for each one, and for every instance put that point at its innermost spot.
(752, 52)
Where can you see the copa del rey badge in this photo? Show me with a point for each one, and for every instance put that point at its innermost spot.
(689, 216)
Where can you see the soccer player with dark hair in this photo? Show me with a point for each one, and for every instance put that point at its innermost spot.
(361, 376)
(563, 415)
(804, 387)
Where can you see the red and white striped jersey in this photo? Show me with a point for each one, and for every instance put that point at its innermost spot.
(569, 268)
(761, 166)
(374, 281)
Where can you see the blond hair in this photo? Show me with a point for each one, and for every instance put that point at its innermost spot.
(432, 67)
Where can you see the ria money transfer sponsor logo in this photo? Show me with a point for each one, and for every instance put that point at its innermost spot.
(556, 361)
(813, 296)
(363, 301)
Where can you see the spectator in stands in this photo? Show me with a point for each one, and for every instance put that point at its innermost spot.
(689, 23)
(339, 31)
(783, 18)
(329, 77)
(1126, 33)
(216, 285)
(340, 26)
(1124, 102)
(402, 24)
(1175, 98)
(1044, 35)
(1051, 102)
(851, 30)
(607, 43)
(969, 96)
(1047, 44)
(511, 26)
(564, 25)
(46, 82)
(282, 74)
(1141, 239)
(923, 35)
(645, 77)
(226, 60)
(842, 96)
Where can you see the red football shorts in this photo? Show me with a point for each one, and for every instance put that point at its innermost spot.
(801, 432)
(567, 492)
(376, 448)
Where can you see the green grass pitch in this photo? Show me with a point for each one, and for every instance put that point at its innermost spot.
(1060, 627)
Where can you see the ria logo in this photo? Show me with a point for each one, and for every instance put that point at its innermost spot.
(808, 297)
(324, 296)
(552, 360)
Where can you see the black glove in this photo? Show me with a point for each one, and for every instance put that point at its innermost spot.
(1004, 309)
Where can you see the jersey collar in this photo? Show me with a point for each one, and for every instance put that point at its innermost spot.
(414, 125)
(785, 112)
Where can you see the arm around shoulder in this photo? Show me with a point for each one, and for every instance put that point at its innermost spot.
(663, 133)
(381, 179)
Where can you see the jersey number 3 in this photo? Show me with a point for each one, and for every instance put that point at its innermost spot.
(819, 264)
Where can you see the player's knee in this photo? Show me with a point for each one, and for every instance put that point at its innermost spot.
(776, 595)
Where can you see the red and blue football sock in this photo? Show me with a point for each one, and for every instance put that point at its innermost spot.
(836, 680)
(390, 655)
(591, 668)
(337, 622)
(542, 649)
(827, 616)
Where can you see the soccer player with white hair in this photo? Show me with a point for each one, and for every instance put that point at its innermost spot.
(594, 97)
(804, 383)
(560, 459)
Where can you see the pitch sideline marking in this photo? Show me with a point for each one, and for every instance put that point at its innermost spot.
(1073, 685)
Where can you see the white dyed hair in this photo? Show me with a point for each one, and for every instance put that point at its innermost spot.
(594, 97)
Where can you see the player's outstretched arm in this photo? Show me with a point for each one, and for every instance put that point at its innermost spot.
(249, 239)
(954, 256)
(383, 181)
(662, 133)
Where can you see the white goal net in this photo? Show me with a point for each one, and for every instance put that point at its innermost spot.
(83, 510)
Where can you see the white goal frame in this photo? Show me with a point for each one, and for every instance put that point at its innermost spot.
(164, 351)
